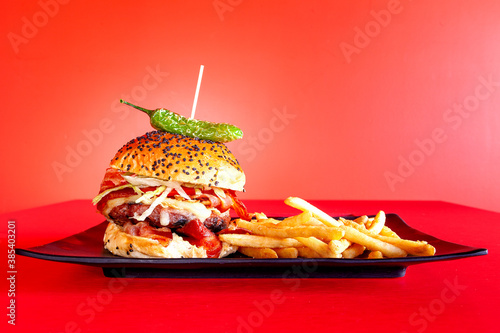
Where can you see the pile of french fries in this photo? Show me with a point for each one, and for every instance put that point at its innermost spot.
(315, 234)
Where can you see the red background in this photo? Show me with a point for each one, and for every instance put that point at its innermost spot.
(444, 296)
(337, 99)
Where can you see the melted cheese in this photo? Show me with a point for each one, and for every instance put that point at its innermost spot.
(194, 207)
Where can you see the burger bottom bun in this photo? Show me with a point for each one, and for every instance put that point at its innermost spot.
(122, 244)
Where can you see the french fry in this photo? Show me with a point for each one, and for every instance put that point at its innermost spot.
(259, 241)
(260, 216)
(416, 248)
(353, 251)
(377, 223)
(386, 231)
(302, 219)
(375, 255)
(258, 252)
(339, 246)
(287, 252)
(315, 234)
(362, 220)
(351, 234)
(307, 252)
(319, 214)
(355, 236)
(266, 221)
(318, 246)
(313, 222)
(298, 219)
(323, 233)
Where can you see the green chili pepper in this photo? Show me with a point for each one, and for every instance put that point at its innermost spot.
(168, 121)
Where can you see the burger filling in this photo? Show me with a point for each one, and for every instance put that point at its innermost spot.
(153, 208)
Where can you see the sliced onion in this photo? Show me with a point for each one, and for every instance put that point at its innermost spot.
(181, 192)
(150, 194)
(219, 192)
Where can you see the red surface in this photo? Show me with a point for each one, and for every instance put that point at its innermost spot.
(278, 70)
(453, 296)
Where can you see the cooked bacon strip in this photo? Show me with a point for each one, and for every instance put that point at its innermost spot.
(240, 208)
(123, 193)
(142, 229)
(227, 203)
(209, 200)
(112, 178)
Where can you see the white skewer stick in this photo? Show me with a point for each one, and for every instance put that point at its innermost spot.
(197, 92)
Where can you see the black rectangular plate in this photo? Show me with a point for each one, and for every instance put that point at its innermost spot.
(86, 248)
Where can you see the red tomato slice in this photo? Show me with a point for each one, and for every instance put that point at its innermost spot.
(199, 235)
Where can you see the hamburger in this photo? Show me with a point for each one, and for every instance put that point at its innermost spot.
(168, 196)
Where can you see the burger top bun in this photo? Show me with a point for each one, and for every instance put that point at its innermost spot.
(176, 157)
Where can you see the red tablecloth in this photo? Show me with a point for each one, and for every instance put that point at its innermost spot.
(447, 296)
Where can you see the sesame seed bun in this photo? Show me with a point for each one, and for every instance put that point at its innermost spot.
(179, 158)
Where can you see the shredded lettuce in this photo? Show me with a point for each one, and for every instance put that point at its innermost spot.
(108, 191)
(147, 181)
(150, 194)
(155, 203)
